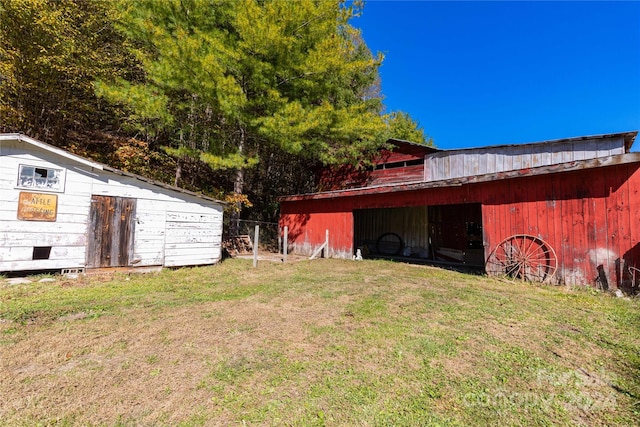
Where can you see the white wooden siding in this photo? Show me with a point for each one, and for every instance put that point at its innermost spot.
(154, 242)
(192, 238)
(451, 164)
(66, 236)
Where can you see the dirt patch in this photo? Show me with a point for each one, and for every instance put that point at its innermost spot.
(292, 343)
(152, 370)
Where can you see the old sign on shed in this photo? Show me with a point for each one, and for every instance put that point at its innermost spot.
(60, 211)
(37, 206)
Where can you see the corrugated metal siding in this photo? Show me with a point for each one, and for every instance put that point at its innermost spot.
(456, 164)
(410, 223)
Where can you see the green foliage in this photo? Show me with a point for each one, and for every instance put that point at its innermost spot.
(250, 96)
(315, 343)
(226, 78)
(50, 54)
(402, 126)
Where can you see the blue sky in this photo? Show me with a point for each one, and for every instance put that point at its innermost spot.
(485, 73)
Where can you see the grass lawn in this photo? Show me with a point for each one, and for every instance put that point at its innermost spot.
(326, 342)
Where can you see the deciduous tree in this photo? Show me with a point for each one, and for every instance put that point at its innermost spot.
(402, 126)
(231, 81)
(50, 54)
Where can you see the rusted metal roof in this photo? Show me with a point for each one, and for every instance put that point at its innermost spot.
(629, 138)
(419, 185)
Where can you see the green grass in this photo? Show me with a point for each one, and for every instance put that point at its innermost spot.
(326, 342)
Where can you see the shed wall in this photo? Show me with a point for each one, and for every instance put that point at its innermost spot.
(66, 236)
(171, 228)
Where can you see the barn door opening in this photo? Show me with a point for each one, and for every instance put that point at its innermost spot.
(392, 232)
(450, 234)
(455, 232)
(110, 234)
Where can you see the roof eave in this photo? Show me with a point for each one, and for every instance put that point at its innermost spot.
(475, 179)
(100, 166)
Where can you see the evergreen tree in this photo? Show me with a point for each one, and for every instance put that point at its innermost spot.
(231, 81)
(402, 126)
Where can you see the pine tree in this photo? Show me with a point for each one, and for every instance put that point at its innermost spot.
(230, 81)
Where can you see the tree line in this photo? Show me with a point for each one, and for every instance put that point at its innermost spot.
(239, 99)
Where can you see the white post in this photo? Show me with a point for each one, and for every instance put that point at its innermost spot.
(326, 244)
(323, 248)
(255, 246)
(285, 243)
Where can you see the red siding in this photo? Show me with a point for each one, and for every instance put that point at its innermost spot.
(590, 217)
(406, 153)
(347, 176)
(395, 175)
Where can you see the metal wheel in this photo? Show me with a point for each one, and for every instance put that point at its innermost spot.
(524, 257)
(389, 244)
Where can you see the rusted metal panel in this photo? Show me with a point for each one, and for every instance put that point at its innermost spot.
(37, 206)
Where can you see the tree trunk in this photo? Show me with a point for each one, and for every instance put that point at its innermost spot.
(238, 188)
(178, 176)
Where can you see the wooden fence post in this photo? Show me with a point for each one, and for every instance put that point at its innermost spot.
(285, 244)
(326, 244)
(324, 248)
(255, 246)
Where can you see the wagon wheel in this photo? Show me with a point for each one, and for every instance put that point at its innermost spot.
(523, 257)
(389, 244)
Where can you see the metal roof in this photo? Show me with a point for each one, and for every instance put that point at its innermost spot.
(629, 138)
(400, 142)
(473, 179)
(99, 166)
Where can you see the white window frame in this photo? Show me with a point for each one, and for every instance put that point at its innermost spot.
(30, 177)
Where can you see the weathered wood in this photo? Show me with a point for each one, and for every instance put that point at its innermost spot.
(628, 158)
(411, 223)
(323, 247)
(111, 232)
(84, 179)
(285, 244)
(256, 239)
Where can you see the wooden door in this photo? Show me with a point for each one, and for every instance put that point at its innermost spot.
(111, 229)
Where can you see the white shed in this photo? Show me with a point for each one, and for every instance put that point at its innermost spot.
(60, 211)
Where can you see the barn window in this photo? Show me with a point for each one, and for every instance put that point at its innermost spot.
(401, 164)
(48, 179)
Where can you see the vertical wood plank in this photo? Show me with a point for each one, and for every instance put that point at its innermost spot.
(579, 244)
(256, 241)
(624, 220)
(285, 244)
(613, 227)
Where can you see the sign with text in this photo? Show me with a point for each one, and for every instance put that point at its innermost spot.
(37, 206)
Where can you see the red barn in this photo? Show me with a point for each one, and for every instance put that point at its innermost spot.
(564, 211)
